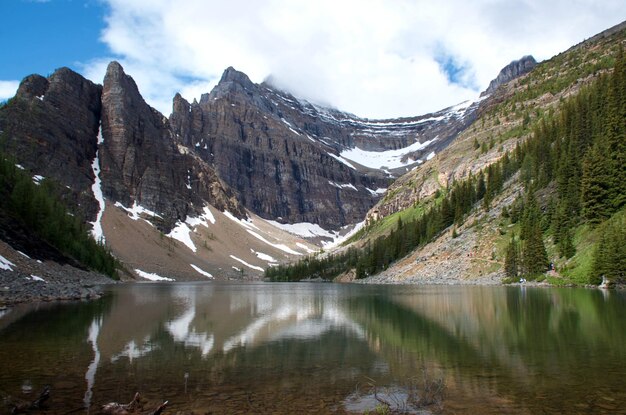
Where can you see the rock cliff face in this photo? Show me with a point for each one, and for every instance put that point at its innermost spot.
(293, 161)
(276, 171)
(513, 70)
(141, 163)
(50, 127)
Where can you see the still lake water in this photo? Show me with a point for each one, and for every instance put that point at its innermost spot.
(322, 348)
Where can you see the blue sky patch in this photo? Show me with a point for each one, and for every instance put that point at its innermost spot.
(456, 72)
(41, 36)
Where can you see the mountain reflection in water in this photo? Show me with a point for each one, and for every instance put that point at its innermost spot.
(285, 348)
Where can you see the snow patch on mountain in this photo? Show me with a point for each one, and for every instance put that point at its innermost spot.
(342, 160)
(282, 247)
(338, 240)
(201, 271)
(207, 216)
(306, 248)
(303, 229)
(342, 185)
(137, 212)
(246, 264)
(389, 159)
(181, 232)
(152, 276)
(246, 223)
(96, 188)
(37, 278)
(264, 257)
(5, 264)
(379, 191)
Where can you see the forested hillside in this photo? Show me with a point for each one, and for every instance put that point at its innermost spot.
(572, 173)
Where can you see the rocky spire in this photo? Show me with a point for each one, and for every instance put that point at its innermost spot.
(141, 161)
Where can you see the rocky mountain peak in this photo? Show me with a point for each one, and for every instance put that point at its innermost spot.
(32, 86)
(59, 139)
(232, 81)
(116, 80)
(180, 104)
(511, 71)
(114, 69)
(233, 75)
(141, 162)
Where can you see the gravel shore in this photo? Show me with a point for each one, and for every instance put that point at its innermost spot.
(24, 279)
(74, 284)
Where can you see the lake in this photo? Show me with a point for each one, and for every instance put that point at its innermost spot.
(322, 348)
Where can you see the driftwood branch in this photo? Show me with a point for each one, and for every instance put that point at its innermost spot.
(38, 403)
(160, 409)
(133, 407)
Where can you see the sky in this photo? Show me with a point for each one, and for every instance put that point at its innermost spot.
(373, 58)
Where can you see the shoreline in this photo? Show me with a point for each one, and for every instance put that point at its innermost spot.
(25, 279)
(17, 287)
(66, 283)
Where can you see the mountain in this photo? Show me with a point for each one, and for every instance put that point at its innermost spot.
(50, 128)
(278, 168)
(533, 189)
(293, 161)
(142, 164)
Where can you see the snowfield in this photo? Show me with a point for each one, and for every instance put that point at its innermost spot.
(303, 229)
(390, 159)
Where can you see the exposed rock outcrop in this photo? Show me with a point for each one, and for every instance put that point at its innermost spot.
(50, 127)
(513, 70)
(141, 163)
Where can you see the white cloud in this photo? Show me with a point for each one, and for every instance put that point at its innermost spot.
(8, 89)
(375, 58)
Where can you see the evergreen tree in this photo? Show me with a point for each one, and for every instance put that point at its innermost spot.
(595, 185)
(609, 258)
(566, 243)
(534, 256)
(39, 209)
(511, 259)
(481, 187)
